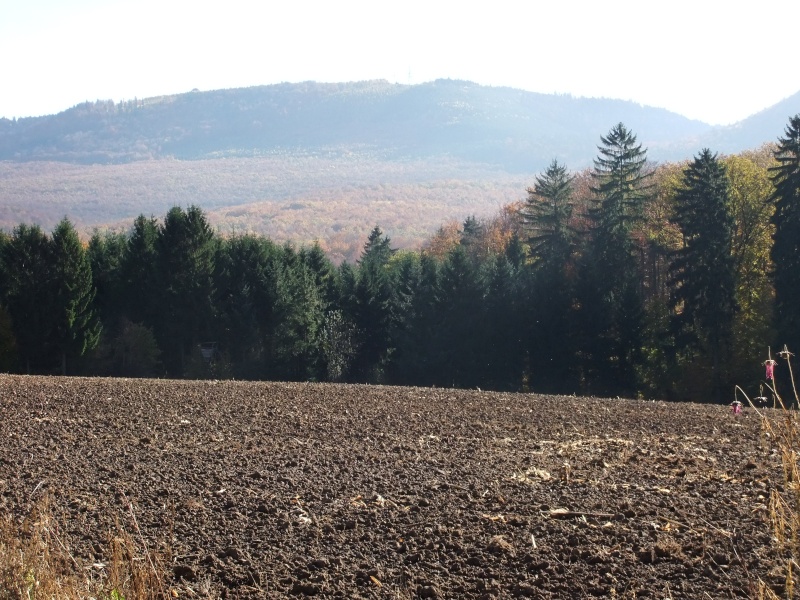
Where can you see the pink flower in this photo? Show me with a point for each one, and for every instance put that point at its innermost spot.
(770, 365)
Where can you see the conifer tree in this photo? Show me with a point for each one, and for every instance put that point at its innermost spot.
(414, 363)
(105, 253)
(459, 341)
(244, 296)
(7, 341)
(553, 244)
(703, 273)
(185, 270)
(27, 260)
(610, 288)
(546, 218)
(141, 301)
(786, 248)
(373, 309)
(77, 328)
(4, 239)
(472, 238)
(299, 317)
(504, 350)
(325, 274)
(622, 185)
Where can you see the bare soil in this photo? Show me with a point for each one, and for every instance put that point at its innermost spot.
(266, 490)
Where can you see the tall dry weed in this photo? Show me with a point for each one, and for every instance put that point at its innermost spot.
(36, 563)
(783, 430)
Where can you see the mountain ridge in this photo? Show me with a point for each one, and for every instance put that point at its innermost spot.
(513, 129)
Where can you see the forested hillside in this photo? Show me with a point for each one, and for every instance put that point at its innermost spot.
(515, 130)
(628, 278)
(298, 198)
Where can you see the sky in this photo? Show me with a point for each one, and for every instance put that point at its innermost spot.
(715, 61)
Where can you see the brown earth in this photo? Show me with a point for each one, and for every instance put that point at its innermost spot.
(266, 490)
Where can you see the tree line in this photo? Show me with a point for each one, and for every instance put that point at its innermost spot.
(627, 279)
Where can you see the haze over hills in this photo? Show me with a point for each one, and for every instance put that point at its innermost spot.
(765, 126)
(342, 156)
(514, 130)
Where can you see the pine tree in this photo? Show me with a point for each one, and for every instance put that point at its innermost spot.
(77, 328)
(7, 341)
(325, 274)
(244, 296)
(299, 317)
(141, 295)
(459, 340)
(504, 350)
(472, 238)
(373, 308)
(515, 252)
(105, 253)
(553, 243)
(4, 239)
(27, 260)
(786, 248)
(414, 363)
(610, 288)
(622, 185)
(546, 218)
(703, 273)
(185, 270)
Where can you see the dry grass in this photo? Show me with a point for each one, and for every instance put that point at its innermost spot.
(35, 563)
(783, 430)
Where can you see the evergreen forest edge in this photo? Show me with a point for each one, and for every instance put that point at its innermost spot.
(628, 279)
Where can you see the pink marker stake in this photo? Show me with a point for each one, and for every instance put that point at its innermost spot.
(770, 366)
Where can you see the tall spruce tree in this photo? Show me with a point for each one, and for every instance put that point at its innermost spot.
(610, 291)
(299, 316)
(325, 274)
(105, 253)
(245, 290)
(786, 247)
(703, 272)
(185, 271)
(77, 328)
(8, 353)
(459, 343)
(504, 349)
(373, 308)
(414, 363)
(27, 258)
(546, 218)
(141, 301)
(4, 238)
(622, 185)
(472, 238)
(553, 243)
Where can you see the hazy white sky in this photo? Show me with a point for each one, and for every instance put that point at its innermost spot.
(717, 61)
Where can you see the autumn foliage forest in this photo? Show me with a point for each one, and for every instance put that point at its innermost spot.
(629, 278)
(302, 198)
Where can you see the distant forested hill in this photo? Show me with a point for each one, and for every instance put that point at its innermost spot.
(512, 129)
(765, 126)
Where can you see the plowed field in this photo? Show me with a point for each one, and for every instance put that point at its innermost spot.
(265, 490)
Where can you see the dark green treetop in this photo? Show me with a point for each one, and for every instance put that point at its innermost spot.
(786, 248)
